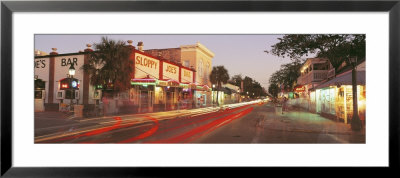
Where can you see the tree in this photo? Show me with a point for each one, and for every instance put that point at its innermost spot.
(273, 90)
(336, 48)
(257, 90)
(287, 75)
(236, 80)
(109, 65)
(219, 75)
(247, 84)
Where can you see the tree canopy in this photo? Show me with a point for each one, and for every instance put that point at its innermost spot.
(337, 48)
(249, 85)
(109, 64)
(219, 75)
(287, 75)
(273, 90)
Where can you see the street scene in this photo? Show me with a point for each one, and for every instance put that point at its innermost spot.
(202, 89)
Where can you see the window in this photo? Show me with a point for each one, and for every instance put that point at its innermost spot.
(208, 69)
(186, 63)
(200, 68)
(207, 73)
(38, 94)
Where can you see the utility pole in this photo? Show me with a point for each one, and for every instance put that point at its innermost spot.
(355, 121)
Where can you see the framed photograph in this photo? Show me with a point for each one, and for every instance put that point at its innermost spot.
(198, 85)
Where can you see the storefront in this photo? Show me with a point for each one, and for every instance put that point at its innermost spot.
(187, 100)
(160, 85)
(299, 91)
(142, 94)
(40, 94)
(203, 93)
(335, 97)
(171, 91)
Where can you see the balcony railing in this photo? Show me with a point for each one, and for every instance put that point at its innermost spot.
(313, 76)
(331, 73)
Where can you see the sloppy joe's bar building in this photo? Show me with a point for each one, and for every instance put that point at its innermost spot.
(157, 84)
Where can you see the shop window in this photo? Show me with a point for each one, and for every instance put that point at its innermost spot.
(70, 94)
(59, 94)
(38, 94)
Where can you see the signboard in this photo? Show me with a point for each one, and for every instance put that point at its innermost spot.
(41, 68)
(170, 71)
(300, 88)
(162, 83)
(186, 76)
(146, 66)
(69, 83)
(63, 63)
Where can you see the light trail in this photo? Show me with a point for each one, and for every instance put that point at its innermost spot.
(203, 128)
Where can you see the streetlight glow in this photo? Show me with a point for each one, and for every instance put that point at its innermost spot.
(71, 70)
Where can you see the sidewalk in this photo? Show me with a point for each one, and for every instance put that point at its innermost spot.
(52, 118)
(300, 120)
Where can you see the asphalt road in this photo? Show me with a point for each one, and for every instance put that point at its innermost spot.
(264, 125)
(251, 123)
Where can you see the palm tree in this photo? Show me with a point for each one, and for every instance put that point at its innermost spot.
(219, 75)
(109, 67)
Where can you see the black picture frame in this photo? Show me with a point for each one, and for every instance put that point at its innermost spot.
(8, 7)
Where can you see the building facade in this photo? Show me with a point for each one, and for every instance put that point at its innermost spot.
(196, 56)
(53, 68)
(156, 84)
(323, 92)
(335, 96)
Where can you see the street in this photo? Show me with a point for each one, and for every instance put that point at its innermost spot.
(252, 122)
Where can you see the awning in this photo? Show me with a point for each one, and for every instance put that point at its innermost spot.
(168, 83)
(188, 85)
(203, 88)
(343, 79)
(144, 81)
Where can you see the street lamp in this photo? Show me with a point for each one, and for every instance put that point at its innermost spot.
(71, 72)
(213, 98)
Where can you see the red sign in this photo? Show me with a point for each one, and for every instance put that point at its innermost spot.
(300, 88)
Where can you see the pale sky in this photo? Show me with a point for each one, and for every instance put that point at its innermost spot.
(240, 54)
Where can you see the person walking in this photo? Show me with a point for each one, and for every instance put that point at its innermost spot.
(284, 104)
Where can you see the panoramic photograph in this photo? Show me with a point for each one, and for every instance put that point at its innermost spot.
(199, 89)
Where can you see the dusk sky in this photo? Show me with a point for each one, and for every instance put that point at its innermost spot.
(240, 54)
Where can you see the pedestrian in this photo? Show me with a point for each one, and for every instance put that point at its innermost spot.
(179, 102)
(284, 104)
